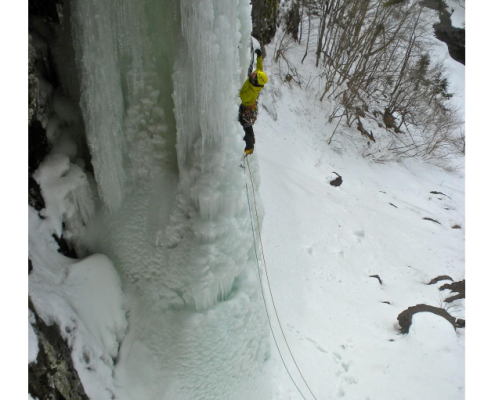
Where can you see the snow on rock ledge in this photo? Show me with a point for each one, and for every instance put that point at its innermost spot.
(85, 300)
(68, 195)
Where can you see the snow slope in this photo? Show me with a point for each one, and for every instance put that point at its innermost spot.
(323, 243)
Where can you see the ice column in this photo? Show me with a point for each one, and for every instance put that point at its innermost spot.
(105, 32)
(209, 147)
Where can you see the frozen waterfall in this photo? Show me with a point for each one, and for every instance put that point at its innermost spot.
(159, 98)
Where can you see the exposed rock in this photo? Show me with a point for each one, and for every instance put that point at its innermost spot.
(32, 96)
(456, 227)
(431, 219)
(454, 38)
(461, 323)
(35, 198)
(38, 145)
(38, 149)
(64, 247)
(405, 317)
(377, 277)
(38, 142)
(50, 10)
(440, 278)
(33, 84)
(389, 119)
(53, 376)
(393, 205)
(292, 20)
(337, 181)
(456, 287)
(439, 193)
(454, 298)
(264, 16)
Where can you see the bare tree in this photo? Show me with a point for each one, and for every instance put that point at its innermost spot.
(374, 59)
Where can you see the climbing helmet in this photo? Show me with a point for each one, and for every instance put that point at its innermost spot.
(262, 78)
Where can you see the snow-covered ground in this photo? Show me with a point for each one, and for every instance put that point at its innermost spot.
(323, 243)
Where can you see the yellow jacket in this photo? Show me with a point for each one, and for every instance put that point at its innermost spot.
(249, 93)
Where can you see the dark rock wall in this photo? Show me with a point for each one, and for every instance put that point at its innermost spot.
(50, 10)
(454, 38)
(53, 376)
(40, 67)
(293, 20)
(264, 16)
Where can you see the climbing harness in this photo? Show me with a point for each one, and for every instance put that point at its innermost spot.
(269, 286)
(249, 114)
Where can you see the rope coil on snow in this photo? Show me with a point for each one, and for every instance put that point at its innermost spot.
(269, 287)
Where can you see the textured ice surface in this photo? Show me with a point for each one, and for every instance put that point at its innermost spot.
(96, 31)
(166, 155)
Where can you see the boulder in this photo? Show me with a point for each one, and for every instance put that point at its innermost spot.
(335, 179)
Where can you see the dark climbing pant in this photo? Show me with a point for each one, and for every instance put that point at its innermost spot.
(248, 137)
(248, 130)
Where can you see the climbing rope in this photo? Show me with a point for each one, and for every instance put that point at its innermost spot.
(269, 287)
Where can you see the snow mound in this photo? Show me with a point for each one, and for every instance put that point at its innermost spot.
(93, 290)
(432, 330)
(84, 298)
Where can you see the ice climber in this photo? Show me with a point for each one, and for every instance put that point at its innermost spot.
(248, 110)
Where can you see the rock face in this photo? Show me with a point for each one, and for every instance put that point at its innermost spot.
(36, 200)
(440, 278)
(47, 9)
(405, 317)
(32, 82)
(293, 19)
(264, 16)
(38, 149)
(389, 119)
(52, 376)
(364, 132)
(454, 38)
(38, 145)
(455, 287)
(64, 248)
(38, 141)
(335, 179)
